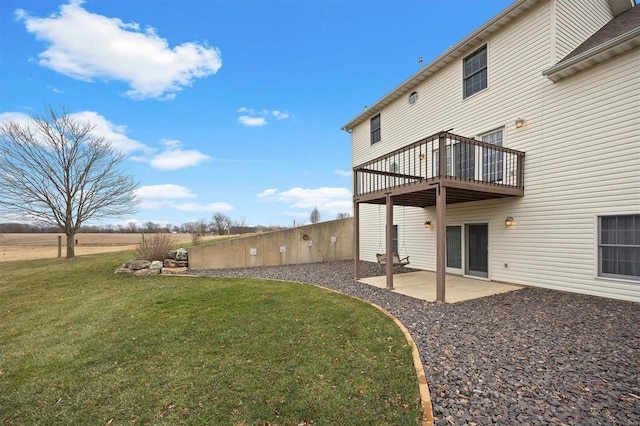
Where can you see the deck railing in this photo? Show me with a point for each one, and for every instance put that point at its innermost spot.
(465, 159)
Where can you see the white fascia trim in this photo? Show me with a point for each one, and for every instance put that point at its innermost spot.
(552, 72)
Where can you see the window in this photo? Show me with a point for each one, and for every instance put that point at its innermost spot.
(454, 247)
(475, 72)
(619, 246)
(375, 129)
(465, 160)
(492, 160)
(447, 161)
(395, 238)
(463, 163)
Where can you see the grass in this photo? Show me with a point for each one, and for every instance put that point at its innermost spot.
(80, 345)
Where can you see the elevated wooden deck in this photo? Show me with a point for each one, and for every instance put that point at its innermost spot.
(471, 170)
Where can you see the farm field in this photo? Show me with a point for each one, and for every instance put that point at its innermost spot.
(45, 246)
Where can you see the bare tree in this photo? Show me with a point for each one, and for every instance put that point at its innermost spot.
(343, 215)
(201, 226)
(220, 223)
(315, 215)
(151, 227)
(56, 170)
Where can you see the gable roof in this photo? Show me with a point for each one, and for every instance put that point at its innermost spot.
(462, 48)
(619, 35)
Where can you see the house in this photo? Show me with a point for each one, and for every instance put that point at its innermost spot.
(514, 156)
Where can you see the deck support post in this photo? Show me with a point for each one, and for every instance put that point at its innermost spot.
(389, 242)
(356, 241)
(441, 241)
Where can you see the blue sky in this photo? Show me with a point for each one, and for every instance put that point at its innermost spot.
(231, 106)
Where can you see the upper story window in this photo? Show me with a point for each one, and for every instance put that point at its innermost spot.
(619, 246)
(475, 72)
(492, 160)
(375, 129)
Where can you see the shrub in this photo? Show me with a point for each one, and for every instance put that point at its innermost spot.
(155, 247)
(196, 238)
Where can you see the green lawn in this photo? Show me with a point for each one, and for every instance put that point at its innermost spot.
(80, 345)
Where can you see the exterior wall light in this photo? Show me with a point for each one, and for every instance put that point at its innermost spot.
(509, 221)
(422, 157)
(519, 122)
(427, 224)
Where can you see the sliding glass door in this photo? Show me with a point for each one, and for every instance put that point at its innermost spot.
(477, 253)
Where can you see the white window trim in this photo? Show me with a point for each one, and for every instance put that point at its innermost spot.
(596, 249)
(371, 142)
(464, 98)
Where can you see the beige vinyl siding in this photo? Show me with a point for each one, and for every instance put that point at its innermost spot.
(412, 239)
(371, 231)
(586, 164)
(576, 21)
(582, 144)
(516, 57)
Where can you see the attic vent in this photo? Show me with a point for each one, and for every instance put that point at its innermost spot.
(413, 97)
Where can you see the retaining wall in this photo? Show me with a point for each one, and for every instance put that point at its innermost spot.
(320, 242)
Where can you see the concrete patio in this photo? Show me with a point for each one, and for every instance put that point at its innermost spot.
(422, 285)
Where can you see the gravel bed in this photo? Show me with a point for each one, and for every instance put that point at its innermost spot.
(529, 357)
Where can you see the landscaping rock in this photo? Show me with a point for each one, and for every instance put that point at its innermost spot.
(156, 264)
(179, 254)
(143, 267)
(137, 264)
(140, 268)
(123, 270)
(171, 263)
(147, 272)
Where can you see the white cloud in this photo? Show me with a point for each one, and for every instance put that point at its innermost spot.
(165, 196)
(174, 158)
(328, 200)
(280, 115)
(88, 46)
(267, 193)
(252, 121)
(343, 172)
(19, 118)
(112, 133)
(255, 118)
(164, 192)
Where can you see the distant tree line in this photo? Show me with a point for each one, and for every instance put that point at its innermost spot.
(216, 226)
(219, 224)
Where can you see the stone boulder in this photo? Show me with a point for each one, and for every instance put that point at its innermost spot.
(147, 272)
(171, 263)
(140, 267)
(123, 270)
(180, 254)
(156, 264)
(137, 264)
